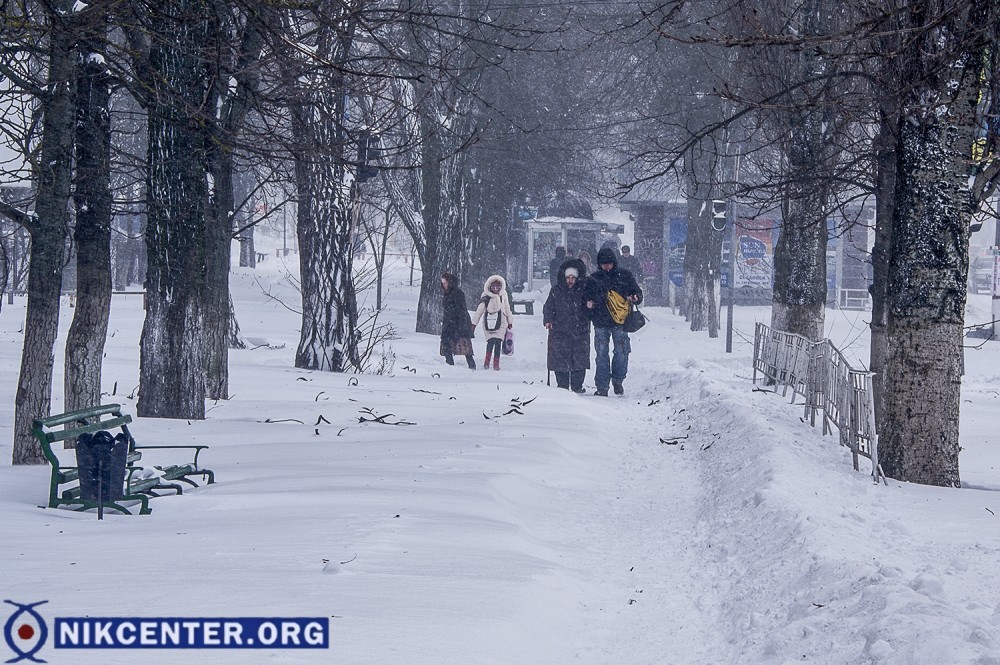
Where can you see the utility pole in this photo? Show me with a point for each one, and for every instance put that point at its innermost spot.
(995, 282)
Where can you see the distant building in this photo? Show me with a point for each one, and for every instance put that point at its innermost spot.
(661, 219)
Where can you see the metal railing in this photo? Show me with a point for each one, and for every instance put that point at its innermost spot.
(829, 385)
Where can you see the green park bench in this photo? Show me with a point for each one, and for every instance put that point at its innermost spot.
(140, 482)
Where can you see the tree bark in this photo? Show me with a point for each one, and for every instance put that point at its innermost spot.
(172, 346)
(885, 177)
(218, 238)
(88, 332)
(234, 105)
(328, 340)
(444, 217)
(929, 262)
(703, 250)
(800, 271)
(800, 288)
(48, 229)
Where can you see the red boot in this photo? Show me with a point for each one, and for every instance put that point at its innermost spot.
(496, 363)
(486, 363)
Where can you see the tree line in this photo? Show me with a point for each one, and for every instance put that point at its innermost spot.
(182, 111)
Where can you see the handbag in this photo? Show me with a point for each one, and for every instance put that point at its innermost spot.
(618, 307)
(634, 321)
(508, 342)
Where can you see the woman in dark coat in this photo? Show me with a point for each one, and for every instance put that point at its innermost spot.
(456, 324)
(566, 317)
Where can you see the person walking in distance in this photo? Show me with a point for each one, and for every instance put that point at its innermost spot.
(456, 325)
(630, 262)
(611, 292)
(566, 317)
(494, 311)
(554, 264)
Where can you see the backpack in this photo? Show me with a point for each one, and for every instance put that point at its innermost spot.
(618, 307)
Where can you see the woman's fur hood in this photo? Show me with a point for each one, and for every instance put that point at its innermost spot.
(490, 280)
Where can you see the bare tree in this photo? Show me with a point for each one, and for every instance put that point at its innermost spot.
(93, 199)
(232, 94)
(947, 62)
(172, 359)
(327, 195)
(49, 80)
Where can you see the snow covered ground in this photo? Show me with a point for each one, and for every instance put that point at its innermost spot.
(515, 523)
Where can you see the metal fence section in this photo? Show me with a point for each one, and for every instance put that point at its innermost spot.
(819, 373)
(782, 358)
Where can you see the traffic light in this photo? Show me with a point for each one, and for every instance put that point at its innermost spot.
(719, 215)
(369, 154)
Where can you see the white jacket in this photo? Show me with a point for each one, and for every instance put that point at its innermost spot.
(494, 310)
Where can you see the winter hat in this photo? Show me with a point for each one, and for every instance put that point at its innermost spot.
(572, 271)
(607, 255)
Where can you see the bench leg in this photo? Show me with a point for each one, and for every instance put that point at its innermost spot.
(166, 486)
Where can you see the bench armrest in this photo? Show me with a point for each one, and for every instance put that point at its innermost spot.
(197, 449)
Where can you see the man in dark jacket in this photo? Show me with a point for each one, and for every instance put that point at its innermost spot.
(609, 278)
(566, 317)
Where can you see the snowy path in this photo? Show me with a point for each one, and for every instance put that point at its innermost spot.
(665, 611)
(564, 534)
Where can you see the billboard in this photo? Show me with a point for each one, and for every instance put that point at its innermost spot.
(755, 253)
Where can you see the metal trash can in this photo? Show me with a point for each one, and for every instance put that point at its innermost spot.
(101, 461)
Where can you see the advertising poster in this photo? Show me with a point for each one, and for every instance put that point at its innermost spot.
(755, 253)
(649, 250)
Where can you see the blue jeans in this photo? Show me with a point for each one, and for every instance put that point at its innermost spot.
(611, 368)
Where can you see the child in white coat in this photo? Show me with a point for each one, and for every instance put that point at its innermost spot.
(494, 310)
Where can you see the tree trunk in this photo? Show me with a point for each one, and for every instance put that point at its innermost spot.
(444, 216)
(88, 332)
(48, 230)
(800, 289)
(236, 339)
(234, 105)
(930, 246)
(703, 250)
(327, 198)
(800, 273)
(218, 238)
(248, 252)
(172, 346)
(809, 128)
(128, 253)
(885, 176)
(927, 293)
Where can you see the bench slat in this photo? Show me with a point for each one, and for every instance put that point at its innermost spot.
(81, 414)
(73, 432)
